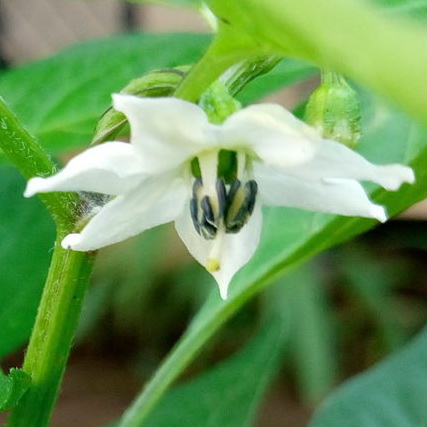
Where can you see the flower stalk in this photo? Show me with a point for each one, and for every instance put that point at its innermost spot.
(227, 49)
(23, 150)
(65, 285)
(52, 335)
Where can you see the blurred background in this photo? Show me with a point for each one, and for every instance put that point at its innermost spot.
(349, 308)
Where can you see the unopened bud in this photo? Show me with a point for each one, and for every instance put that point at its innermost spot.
(334, 110)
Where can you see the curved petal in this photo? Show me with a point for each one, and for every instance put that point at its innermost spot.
(332, 195)
(334, 160)
(236, 249)
(165, 131)
(153, 203)
(272, 133)
(110, 168)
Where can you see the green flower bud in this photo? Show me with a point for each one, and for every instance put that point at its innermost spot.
(334, 109)
(154, 84)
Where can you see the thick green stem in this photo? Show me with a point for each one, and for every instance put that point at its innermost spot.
(28, 156)
(218, 58)
(52, 335)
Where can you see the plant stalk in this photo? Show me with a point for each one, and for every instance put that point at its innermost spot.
(52, 335)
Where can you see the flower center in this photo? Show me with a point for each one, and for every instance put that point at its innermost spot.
(227, 210)
(223, 199)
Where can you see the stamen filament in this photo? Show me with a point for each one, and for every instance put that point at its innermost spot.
(209, 169)
(241, 165)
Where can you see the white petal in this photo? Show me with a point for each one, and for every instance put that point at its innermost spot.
(152, 203)
(237, 249)
(165, 131)
(334, 160)
(272, 133)
(331, 195)
(110, 168)
(278, 138)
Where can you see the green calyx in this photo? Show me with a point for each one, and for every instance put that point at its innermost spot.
(217, 103)
(334, 110)
(157, 83)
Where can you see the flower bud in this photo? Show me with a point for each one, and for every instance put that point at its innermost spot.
(154, 84)
(334, 110)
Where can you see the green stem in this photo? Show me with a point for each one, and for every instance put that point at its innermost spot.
(28, 156)
(52, 335)
(226, 50)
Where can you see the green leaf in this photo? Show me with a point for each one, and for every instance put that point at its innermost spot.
(60, 99)
(12, 387)
(26, 235)
(393, 393)
(220, 397)
(291, 236)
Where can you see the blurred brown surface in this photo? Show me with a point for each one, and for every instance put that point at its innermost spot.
(96, 391)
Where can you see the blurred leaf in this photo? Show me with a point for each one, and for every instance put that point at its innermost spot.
(26, 235)
(229, 394)
(286, 73)
(406, 8)
(393, 393)
(291, 236)
(312, 334)
(372, 281)
(12, 387)
(61, 98)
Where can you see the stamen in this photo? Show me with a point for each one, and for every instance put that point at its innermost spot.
(194, 204)
(217, 208)
(208, 213)
(241, 206)
(234, 188)
(208, 231)
(194, 210)
(209, 169)
(241, 165)
(197, 186)
(221, 193)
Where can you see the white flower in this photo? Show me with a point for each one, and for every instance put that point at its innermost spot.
(278, 160)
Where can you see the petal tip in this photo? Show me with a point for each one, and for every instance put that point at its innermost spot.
(396, 176)
(223, 288)
(378, 212)
(71, 241)
(223, 292)
(410, 176)
(34, 186)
